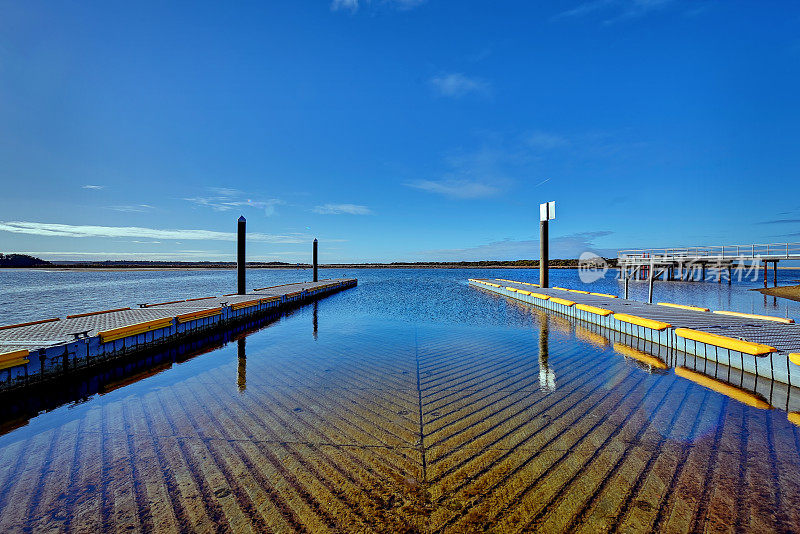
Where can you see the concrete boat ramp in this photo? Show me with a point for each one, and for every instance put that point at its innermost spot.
(761, 345)
(31, 352)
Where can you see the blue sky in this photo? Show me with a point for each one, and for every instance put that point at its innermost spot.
(396, 129)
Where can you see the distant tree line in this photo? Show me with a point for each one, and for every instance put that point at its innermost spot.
(21, 260)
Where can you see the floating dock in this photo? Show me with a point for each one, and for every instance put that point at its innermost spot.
(757, 344)
(39, 350)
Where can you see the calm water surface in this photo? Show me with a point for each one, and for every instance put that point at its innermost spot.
(409, 403)
(416, 295)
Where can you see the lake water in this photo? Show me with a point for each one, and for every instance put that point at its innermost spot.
(414, 295)
(411, 403)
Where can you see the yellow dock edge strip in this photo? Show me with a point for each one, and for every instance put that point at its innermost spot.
(134, 329)
(75, 316)
(246, 304)
(541, 296)
(13, 359)
(512, 289)
(746, 397)
(14, 355)
(594, 309)
(523, 292)
(793, 418)
(202, 314)
(641, 321)
(739, 345)
(643, 357)
(29, 324)
(683, 306)
(578, 291)
(560, 288)
(794, 357)
(564, 302)
(752, 316)
(604, 295)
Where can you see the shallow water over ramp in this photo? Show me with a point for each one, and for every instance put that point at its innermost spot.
(362, 425)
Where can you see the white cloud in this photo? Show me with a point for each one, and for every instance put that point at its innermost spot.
(619, 9)
(457, 85)
(479, 173)
(89, 186)
(353, 5)
(80, 231)
(342, 209)
(181, 255)
(226, 199)
(456, 188)
(134, 208)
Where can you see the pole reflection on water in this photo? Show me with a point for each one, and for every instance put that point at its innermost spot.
(241, 376)
(547, 376)
(314, 320)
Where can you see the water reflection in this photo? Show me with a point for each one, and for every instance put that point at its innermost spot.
(241, 375)
(386, 426)
(547, 376)
(314, 320)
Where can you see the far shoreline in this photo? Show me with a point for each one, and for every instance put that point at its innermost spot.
(785, 292)
(83, 268)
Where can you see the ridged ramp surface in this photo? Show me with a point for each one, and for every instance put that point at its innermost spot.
(391, 428)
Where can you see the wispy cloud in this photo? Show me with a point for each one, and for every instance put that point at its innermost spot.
(81, 231)
(545, 141)
(478, 173)
(614, 9)
(569, 246)
(781, 221)
(226, 199)
(180, 255)
(90, 186)
(342, 209)
(134, 208)
(353, 5)
(456, 85)
(456, 188)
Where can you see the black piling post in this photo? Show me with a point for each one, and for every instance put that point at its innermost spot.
(543, 254)
(314, 258)
(240, 261)
(547, 211)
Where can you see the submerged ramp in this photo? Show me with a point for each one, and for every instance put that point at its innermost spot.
(763, 345)
(37, 350)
